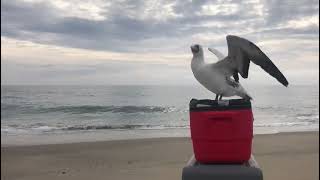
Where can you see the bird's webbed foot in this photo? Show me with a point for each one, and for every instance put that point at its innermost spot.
(222, 102)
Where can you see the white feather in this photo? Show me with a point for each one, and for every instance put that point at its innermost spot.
(214, 78)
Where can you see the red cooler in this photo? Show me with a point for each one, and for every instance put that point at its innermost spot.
(221, 133)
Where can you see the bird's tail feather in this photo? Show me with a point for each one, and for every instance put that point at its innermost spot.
(243, 93)
(247, 97)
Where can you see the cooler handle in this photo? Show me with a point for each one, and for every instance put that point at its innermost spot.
(222, 116)
(207, 102)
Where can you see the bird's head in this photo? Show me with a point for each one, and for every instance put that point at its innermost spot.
(196, 49)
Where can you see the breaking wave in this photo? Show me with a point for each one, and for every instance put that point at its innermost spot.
(44, 128)
(89, 109)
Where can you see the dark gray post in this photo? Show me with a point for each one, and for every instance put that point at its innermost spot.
(247, 171)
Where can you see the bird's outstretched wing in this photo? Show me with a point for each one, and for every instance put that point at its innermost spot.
(219, 55)
(243, 51)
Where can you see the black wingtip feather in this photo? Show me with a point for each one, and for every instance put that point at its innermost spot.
(260, 59)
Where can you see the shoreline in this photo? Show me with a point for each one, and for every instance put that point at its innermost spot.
(110, 135)
(293, 155)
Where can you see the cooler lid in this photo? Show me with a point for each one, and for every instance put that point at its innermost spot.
(212, 105)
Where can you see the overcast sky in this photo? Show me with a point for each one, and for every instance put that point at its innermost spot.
(148, 42)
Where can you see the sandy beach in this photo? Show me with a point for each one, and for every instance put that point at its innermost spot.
(293, 156)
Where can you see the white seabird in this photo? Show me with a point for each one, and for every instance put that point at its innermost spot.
(216, 77)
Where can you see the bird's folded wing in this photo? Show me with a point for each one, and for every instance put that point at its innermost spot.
(243, 51)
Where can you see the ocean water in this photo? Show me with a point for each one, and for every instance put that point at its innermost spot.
(140, 111)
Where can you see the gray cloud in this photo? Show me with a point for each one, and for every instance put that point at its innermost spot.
(22, 21)
(41, 23)
(282, 11)
(167, 26)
